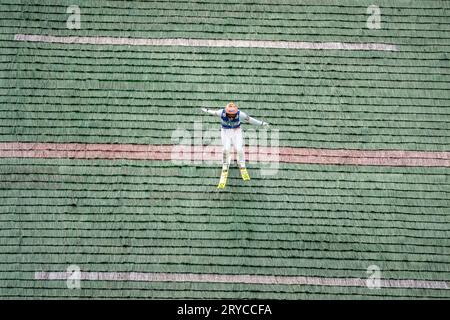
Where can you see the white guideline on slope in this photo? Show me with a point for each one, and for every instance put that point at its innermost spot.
(296, 45)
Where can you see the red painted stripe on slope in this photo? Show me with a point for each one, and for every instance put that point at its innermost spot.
(213, 153)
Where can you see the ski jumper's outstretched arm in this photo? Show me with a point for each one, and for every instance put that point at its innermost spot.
(213, 112)
(251, 120)
(245, 117)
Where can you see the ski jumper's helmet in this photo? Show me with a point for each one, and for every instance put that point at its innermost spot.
(231, 108)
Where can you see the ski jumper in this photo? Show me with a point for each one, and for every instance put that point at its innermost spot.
(231, 134)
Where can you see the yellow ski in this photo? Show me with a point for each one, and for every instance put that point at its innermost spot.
(223, 179)
(244, 174)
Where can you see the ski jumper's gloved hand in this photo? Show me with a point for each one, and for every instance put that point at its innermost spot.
(265, 125)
